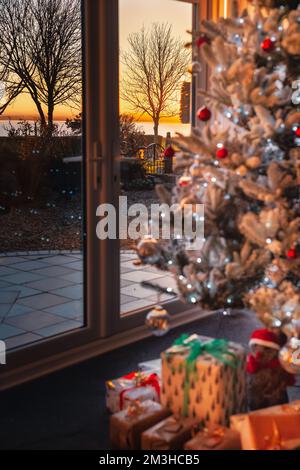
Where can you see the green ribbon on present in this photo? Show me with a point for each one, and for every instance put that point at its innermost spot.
(217, 348)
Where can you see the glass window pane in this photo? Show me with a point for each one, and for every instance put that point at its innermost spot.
(154, 104)
(41, 211)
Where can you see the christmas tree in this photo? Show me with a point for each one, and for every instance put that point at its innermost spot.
(244, 166)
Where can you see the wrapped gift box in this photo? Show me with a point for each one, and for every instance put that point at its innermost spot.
(215, 438)
(273, 428)
(151, 367)
(204, 379)
(169, 434)
(236, 421)
(127, 426)
(120, 393)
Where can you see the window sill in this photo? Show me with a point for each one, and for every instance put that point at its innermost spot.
(74, 356)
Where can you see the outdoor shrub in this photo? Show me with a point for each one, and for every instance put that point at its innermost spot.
(139, 184)
(132, 169)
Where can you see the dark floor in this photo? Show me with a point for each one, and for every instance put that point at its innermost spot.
(67, 409)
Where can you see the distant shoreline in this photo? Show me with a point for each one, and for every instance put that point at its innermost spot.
(147, 127)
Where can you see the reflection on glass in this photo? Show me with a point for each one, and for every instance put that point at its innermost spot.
(41, 260)
(154, 105)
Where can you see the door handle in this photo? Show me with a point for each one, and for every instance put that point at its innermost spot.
(96, 162)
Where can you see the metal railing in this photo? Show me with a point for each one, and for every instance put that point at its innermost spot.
(153, 159)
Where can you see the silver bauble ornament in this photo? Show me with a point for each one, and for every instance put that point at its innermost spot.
(148, 250)
(289, 356)
(158, 321)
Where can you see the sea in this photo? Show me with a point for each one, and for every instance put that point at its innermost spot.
(5, 124)
(165, 127)
(147, 127)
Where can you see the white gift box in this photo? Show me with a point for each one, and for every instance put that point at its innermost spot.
(153, 366)
(141, 386)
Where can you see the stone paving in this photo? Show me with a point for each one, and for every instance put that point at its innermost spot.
(41, 293)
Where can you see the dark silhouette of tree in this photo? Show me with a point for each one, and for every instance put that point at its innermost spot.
(153, 68)
(40, 53)
(9, 90)
(75, 125)
(131, 137)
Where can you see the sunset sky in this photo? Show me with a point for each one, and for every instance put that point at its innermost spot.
(133, 15)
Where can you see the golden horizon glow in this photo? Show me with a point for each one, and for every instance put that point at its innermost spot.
(24, 108)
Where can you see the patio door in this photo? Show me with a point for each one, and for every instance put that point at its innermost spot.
(140, 162)
(57, 159)
(73, 308)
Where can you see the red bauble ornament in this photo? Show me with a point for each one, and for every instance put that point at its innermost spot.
(292, 253)
(204, 114)
(222, 153)
(184, 181)
(268, 45)
(202, 40)
(297, 132)
(169, 152)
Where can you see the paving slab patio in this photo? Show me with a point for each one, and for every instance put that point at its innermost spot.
(41, 293)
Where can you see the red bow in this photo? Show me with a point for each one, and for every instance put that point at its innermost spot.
(141, 381)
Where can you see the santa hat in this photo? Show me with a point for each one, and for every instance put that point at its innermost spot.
(265, 338)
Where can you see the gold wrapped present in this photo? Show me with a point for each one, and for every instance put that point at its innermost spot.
(273, 428)
(204, 379)
(215, 438)
(127, 426)
(169, 434)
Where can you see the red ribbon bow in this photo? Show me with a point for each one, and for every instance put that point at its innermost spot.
(141, 381)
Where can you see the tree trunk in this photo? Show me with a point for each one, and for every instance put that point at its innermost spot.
(39, 107)
(42, 115)
(50, 118)
(155, 128)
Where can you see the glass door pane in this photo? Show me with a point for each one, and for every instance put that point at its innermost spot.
(41, 161)
(151, 112)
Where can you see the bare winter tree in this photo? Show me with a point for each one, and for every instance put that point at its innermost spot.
(9, 90)
(40, 44)
(153, 68)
